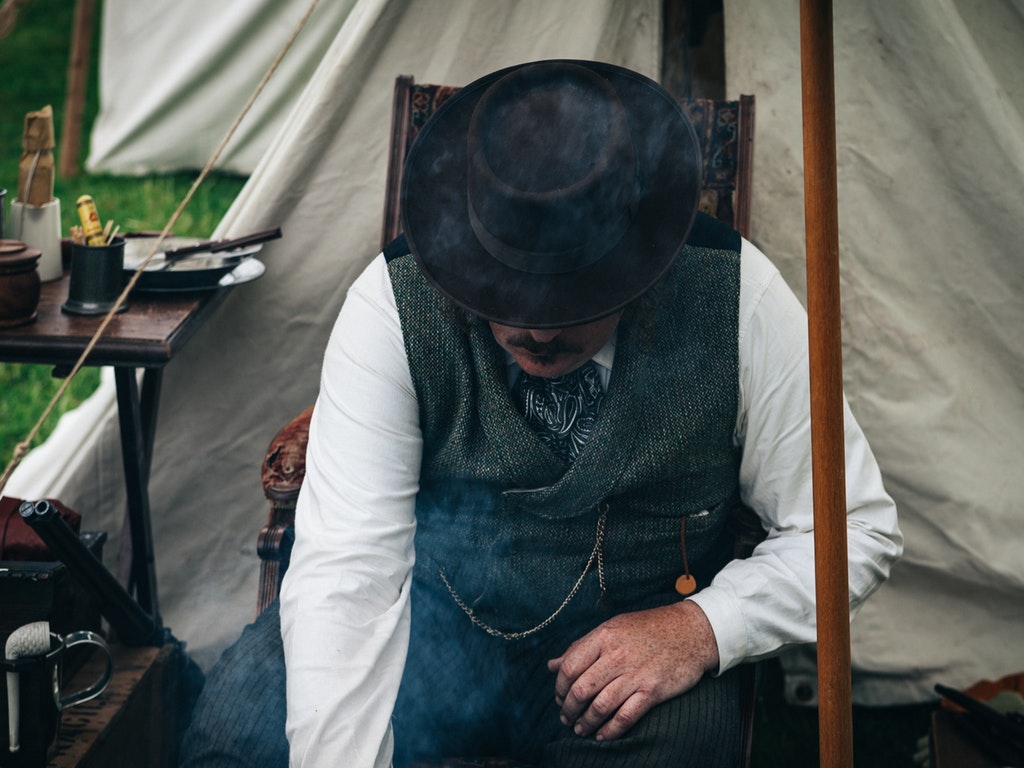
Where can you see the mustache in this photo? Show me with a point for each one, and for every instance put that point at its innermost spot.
(556, 346)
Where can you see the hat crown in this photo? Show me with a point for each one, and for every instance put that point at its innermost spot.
(552, 177)
(550, 194)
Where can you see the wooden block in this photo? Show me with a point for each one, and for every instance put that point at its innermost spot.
(952, 748)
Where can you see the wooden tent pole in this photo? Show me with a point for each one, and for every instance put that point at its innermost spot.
(78, 76)
(821, 220)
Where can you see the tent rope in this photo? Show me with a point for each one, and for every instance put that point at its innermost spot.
(22, 447)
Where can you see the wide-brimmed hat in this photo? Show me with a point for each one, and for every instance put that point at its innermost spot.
(551, 194)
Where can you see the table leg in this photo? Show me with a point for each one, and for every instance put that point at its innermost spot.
(137, 419)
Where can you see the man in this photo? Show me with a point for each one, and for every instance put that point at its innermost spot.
(534, 431)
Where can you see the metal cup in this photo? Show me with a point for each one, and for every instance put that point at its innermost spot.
(97, 278)
(40, 702)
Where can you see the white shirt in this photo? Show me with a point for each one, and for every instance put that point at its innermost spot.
(345, 598)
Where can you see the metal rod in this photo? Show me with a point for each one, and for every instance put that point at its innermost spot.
(131, 623)
(821, 220)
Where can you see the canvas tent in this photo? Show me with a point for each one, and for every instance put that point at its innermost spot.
(931, 164)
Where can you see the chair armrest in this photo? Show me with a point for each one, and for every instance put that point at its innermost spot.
(284, 466)
(284, 469)
(274, 547)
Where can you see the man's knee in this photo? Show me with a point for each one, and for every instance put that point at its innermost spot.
(700, 729)
(239, 717)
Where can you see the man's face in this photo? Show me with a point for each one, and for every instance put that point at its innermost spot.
(555, 351)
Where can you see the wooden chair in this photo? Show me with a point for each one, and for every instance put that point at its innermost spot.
(725, 130)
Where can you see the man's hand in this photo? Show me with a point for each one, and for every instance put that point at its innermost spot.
(608, 679)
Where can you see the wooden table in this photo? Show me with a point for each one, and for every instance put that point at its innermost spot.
(134, 722)
(146, 336)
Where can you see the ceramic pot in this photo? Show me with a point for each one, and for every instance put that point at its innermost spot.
(19, 283)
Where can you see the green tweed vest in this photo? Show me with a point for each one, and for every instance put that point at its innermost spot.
(507, 529)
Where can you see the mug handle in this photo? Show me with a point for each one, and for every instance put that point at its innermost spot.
(85, 637)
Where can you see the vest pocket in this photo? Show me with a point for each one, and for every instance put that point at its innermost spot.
(643, 552)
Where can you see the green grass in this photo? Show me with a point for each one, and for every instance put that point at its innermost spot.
(27, 391)
(34, 63)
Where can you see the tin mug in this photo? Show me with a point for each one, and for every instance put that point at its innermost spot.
(27, 739)
(97, 278)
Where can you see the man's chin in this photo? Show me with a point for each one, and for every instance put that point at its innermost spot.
(548, 366)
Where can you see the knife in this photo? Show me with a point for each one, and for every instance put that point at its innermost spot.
(214, 246)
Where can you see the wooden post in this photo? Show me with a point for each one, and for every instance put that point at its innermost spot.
(78, 76)
(821, 214)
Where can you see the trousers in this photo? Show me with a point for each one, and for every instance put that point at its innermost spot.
(238, 719)
(465, 695)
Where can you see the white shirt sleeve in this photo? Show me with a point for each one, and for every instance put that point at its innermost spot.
(345, 597)
(759, 605)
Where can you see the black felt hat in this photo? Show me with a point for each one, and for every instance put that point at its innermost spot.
(551, 194)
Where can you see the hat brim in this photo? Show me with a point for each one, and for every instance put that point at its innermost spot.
(437, 227)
